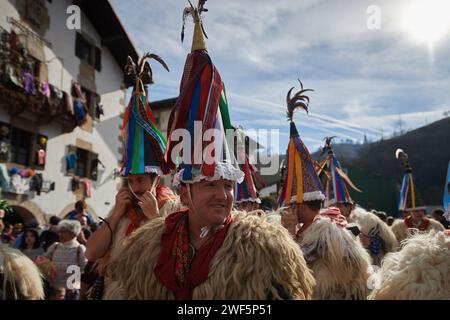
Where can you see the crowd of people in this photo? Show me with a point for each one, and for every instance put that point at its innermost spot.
(208, 238)
(53, 250)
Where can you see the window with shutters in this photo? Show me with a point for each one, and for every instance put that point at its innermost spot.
(22, 147)
(82, 163)
(88, 52)
(21, 142)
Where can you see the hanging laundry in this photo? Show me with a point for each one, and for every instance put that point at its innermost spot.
(88, 188)
(36, 183)
(79, 110)
(45, 89)
(69, 102)
(71, 161)
(55, 92)
(5, 179)
(99, 110)
(4, 148)
(23, 173)
(77, 92)
(20, 185)
(31, 172)
(75, 184)
(11, 77)
(28, 83)
(41, 157)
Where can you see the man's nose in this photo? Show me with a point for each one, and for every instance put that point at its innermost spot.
(221, 193)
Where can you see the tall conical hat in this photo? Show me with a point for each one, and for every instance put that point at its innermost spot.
(247, 190)
(336, 181)
(202, 109)
(409, 199)
(301, 183)
(143, 143)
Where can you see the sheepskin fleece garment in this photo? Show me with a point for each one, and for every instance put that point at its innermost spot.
(402, 232)
(340, 264)
(368, 221)
(419, 271)
(254, 258)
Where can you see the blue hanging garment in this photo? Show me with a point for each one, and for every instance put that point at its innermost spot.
(79, 110)
(71, 160)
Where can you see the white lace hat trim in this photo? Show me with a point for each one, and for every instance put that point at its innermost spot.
(149, 169)
(222, 170)
(153, 169)
(310, 196)
(257, 200)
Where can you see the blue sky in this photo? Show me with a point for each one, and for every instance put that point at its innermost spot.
(364, 80)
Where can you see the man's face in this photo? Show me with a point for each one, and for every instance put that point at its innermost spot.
(83, 220)
(65, 235)
(140, 183)
(212, 200)
(345, 208)
(417, 215)
(248, 206)
(298, 210)
(18, 228)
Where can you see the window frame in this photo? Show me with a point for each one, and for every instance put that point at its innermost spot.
(95, 53)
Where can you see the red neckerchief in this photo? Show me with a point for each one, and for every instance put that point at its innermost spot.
(423, 226)
(173, 269)
(163, 194)
(333, 213)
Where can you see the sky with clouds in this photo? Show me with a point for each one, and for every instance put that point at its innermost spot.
(365, 79)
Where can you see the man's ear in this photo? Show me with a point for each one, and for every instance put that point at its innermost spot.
(184, 197)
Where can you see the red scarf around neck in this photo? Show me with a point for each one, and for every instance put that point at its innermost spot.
(173, 269)
(423, 225)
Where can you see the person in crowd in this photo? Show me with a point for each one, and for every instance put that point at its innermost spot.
(339, 262)
(205, 251)
(50, 236)
(438, 215)
(80, 211)
(31, 245)
(375, 234)
(66, 254)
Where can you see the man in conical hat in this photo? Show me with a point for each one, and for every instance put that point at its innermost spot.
(337, 182)
(375, 235)
(415, 220)
(205, 251)
(143, 199)
(339, 262)
(247, 197)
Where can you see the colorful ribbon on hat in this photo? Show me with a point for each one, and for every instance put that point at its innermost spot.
(407, 192)
(202, 98)
(138, 127)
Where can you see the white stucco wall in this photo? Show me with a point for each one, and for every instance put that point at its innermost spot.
(104, 137)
